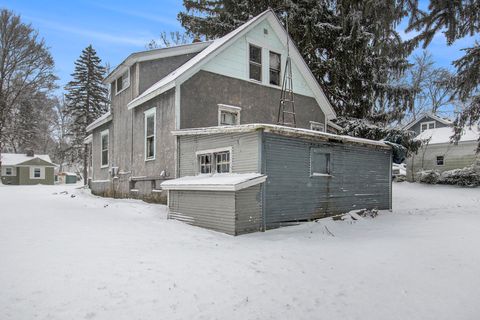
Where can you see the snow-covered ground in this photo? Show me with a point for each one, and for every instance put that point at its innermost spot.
(84, 257)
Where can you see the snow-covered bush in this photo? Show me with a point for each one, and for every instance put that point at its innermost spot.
(468, 176)
(428, 176)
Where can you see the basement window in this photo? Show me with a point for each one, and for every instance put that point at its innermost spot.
(214, 161)
(228, 115)
(319, 163)
(104, 148)
(123, 82)
(150, 133)
(275, 68)
(255, 63)
(440, 160)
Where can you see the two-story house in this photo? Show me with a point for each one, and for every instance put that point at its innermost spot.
(232, 80)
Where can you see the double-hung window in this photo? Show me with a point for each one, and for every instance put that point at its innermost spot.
(8, 171)
(104, 148)
(255, 62)
(37, 172)
(214, 161)
(228, 115)
(275, 68)
(150, 132)
(122, 82)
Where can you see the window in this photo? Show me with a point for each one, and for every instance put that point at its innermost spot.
(222, 160)
(275, 68)
(214, 161)
(37, 173)
(317, 126)
(150, 132)
(228, 115)
(104, 148)
(319, 162)
(8, 171)
(123, 82)
(205, 163)
(255, 62)
(440, 161)
(427, 125)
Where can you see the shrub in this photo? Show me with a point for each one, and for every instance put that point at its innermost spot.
(428, 176)
(467, 177)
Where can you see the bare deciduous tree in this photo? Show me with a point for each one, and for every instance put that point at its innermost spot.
(173, 38)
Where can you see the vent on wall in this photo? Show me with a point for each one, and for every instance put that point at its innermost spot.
(265, 31)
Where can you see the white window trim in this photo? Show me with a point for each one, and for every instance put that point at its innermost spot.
(4, 171)
(212, 151)
(265, 57)
(32, 173)
(314, 123)
(318, 174)
(127, 86)
(436, 161)
(427, 123)
(228, 108)
(148, 113)
(262, 64)
(102, 134)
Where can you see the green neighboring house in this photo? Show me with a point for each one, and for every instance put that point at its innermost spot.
(27, 169)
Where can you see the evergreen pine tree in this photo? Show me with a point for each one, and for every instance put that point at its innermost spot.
(351, 47)
(86, 100)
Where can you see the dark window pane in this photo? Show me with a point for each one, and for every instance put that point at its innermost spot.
(255, 72)
(274, 61)
(275, 77)
(255, 54)
(319, 162)
(150, 125)
(104, 157)
(105, 142)
(150, 147)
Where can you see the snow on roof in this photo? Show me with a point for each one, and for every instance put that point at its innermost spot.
(101, 120)
(12, 159)
(431, 115)
(282, 130)
(442, 135)
(168, 82)
(154, 54)
(215, 182)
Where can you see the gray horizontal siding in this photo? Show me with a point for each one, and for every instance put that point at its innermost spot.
(248, 203)
(208, 209)
(245, 153)
(360, 178)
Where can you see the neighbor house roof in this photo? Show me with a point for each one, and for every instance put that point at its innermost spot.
(431, 115)
(215, 182)
(442, 135)
(193, 65)
(154, 54)
(281, 130)
(13, 159)
(107, 117)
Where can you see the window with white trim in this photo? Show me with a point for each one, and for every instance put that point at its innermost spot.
(228, 115)
(427, 125)
(37, 172)
(255, 62)
(150, 133)
(214, 161)
(104, 148)
(8, 171)
(440, 160)
(275, 68)
(319, 162)
(122, 82)
(317, 126)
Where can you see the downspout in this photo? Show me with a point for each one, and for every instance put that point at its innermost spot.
(262, 165)
(390, 179)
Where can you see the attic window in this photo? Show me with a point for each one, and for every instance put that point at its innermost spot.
(123, 82)
(255, 63)
(275, 68)
(427, 125)
(228, 115)
(265, 31)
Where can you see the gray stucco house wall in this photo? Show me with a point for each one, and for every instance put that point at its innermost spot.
(360, 177)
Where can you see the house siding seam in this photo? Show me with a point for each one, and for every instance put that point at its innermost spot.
(359, 179)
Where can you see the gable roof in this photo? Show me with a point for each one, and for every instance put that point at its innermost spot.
(153, 55)
(431, 115)
(186, 70)
(442, 135)
(13, 159)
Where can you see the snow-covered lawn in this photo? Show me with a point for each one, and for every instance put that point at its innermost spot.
(84, 257)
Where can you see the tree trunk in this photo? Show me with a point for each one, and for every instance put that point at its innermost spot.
(85, 164)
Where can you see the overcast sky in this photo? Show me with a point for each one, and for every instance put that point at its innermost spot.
(118, 28)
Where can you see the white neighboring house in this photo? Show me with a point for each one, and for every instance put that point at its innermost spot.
(441, 155)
